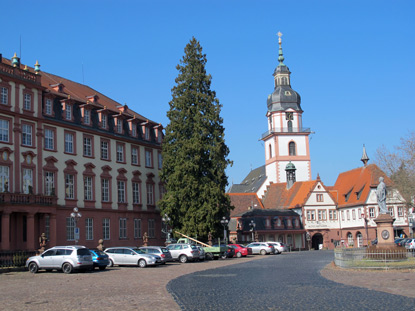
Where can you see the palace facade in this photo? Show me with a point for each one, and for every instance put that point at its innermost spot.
(65, 146)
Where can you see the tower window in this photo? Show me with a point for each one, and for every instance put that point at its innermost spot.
(290, 126)
(270, 151)
(291, 148)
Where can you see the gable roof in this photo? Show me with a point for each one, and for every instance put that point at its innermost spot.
(353, 187)
(243, 201)
(278, 196)
(252, 182)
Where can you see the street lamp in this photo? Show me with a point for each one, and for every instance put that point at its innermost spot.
(166, 219)
(75, 215)
(367, 236)
(224, 223)
(252, 225)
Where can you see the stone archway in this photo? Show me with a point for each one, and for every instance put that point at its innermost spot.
(316, 240)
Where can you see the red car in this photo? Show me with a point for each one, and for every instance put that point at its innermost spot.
(239, 250)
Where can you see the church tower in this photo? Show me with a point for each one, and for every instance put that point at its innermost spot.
(286, 141)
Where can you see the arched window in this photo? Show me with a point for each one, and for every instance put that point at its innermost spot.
(290, 126)
(291, 147)
(359, 238)
(350, 239)
(270, 151)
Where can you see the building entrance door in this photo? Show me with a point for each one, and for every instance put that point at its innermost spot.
(316, 241)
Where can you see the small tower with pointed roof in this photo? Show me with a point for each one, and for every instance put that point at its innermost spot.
(286, 140)
(364, 158)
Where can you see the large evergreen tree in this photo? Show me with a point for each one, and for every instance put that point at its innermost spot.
(194, 151)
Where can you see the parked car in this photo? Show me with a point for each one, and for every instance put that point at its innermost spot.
(403, 242)
(279, 247)
(131, 256)
(65, 258)
(261, 248)
(161, 251)
(240, 251)
(410, 244)
(184, 252)
(230, 252)
(398, 240)
(202, 253)
(99, 258)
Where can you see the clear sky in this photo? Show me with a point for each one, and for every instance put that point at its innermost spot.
(352, 62)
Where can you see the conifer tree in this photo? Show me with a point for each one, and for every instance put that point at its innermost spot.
(194, 151)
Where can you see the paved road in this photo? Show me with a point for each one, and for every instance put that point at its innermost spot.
(290, 282)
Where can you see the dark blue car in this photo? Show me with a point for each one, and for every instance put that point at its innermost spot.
(100, 259)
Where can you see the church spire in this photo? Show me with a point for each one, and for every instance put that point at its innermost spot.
(364, 158)
(280, 55)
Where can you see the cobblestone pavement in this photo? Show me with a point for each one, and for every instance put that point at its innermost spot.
(125, 288)
(246, 280)
(289, 282)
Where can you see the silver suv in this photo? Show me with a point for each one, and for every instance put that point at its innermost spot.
(261, 248)
(183, 252)
(131, 256)
(65, 258)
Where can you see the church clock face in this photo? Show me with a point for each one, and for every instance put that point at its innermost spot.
(385, 234)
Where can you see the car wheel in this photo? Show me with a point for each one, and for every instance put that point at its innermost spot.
(224, 256)
(67, 268)
(33, 267)
(142, 263)
(263, 252)
(102, 268)
(111, 264)
(209, 256)
(238, 255)
(183, 259)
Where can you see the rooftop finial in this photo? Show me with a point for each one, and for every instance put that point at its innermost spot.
(364, 158)
(280, 56)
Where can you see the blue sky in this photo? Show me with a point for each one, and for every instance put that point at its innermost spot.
(351, 61)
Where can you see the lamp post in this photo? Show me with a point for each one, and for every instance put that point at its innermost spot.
(224, 223)
(367, 236)
(75, 215)
(166, 219)
(252, 225)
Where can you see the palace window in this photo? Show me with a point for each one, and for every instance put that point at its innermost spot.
(49, 183)
(149, 158)
(120, 153)
(4, 179)
(70, 229)
(150, 194)
(88, 146)
(89, 228)
(27, 181)
(69, 186)
(137, 228)
(151, 228)
(49, 139)
(27, 102)
(106, 228)
(4, 96)
(68, 112)
(136, 193)
(123, 228)
(87, 116)
(134, 155)
(104, 150)
(27, 135)
(88, 188)
(105, 190)
(4, 130)
(104, 121)
(121, 191)
(69, 143)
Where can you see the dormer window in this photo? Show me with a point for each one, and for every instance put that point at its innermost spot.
(48, 106)
(119, 126)
(103, 120)
(68, 112)
(87, 116)
(147, 133)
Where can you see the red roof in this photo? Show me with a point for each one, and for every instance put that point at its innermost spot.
(79, 92)
(278, 196)
(353, 187)
(242, 201)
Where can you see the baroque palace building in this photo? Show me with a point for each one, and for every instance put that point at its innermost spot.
(286, 205)
(64, 145)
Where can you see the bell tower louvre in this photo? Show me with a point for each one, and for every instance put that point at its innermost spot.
(286, 139)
